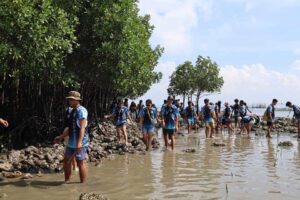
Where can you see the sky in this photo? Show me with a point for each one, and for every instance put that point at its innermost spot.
(256, 44)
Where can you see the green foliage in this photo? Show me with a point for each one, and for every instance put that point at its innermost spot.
(181, 79)
(206, 76)
(114, 50)
(202, 78)
(35, 36)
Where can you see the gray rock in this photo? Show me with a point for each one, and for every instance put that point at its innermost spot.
(92, 196)
(14, 156)
(6, 166)
(31, 150)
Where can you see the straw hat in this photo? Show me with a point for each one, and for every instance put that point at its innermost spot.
(74, 95)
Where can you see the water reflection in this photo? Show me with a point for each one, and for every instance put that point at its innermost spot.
(252, 168)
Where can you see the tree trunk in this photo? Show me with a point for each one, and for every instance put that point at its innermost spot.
(197, 100)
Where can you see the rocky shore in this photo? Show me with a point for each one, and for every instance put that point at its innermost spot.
(48, 159)
(103, 143)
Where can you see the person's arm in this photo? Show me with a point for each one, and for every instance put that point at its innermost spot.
(83, 123)
(141, 122)
(128, 116)
(248, 109)
(62, 136)
(4, 122)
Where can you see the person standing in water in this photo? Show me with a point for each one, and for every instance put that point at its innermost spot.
(235, 110)
(226, 120)
(296, 110)
(270, 115)
(76, 129)
(147, 123)
(170, 122)
(120, 115)
(207, 116)
(190, 116)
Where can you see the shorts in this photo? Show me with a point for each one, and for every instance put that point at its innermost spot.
(270, 123)
(81, 155)
(191, 121)
(148, 129)
(226, 121)
(121, 125)
(168, 131)
(209, 122)
(236, 118)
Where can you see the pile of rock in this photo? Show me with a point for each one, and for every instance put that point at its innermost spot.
(49, 159)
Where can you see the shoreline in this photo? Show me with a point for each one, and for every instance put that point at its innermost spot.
(103, 142)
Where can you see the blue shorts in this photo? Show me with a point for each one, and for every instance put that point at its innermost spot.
(148, 129)
(120, 125)
(168, 131)
(81, 155)
(191, 121)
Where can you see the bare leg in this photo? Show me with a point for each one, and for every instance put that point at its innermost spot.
(149, 140)
(67, 169)
(166, 140)
(172, 138)
(82, 170)
(119, 134)
(74, 163)
(124, 131)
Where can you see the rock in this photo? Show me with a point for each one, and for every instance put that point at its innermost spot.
(6, 166)
(27, 176)
(14, 156)
(31, 150)
(49, 158)
(215, 144)
(92, 196)
(3, 195)
(15, 174)
(189, 150)
(285, 144)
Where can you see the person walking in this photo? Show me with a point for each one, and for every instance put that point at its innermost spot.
(296, 116)
(76, 129)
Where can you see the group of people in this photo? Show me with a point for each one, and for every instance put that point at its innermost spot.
(214, 117)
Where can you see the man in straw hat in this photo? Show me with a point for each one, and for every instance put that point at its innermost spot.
(76, 129)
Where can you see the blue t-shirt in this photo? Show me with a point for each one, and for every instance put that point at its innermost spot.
(75, 116)
(147, 121)
(190, 112)
(170, 113)
(121, 115)
(206, 112)
(296, 110)
(227, 112)
(243, 110)
(236, 108)
(270, 109)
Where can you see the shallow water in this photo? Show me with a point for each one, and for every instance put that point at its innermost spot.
(254, 168)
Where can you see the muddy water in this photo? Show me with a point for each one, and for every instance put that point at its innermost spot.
(254, 168)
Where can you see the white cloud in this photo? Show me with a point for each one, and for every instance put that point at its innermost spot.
(257, 84)
(297, 51)
(296, 65)
(174, 21)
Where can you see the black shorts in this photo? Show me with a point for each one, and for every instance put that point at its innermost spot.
(168, 131)
(269, 123)
(121, 125)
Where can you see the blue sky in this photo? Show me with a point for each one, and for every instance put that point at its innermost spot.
(256, 44)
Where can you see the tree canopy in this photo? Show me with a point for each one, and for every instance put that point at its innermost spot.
(199, 79)
(47, 47)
